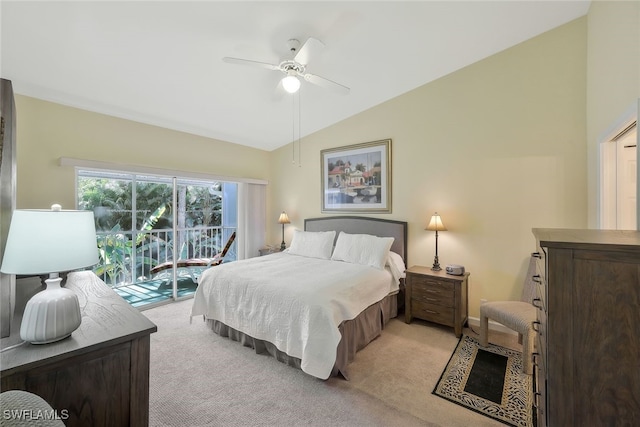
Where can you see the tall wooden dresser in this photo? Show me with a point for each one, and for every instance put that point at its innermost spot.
(99, 376)
(587, 365)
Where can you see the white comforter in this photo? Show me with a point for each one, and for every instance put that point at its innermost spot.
(294, 302)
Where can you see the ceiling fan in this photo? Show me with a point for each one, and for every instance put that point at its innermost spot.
(295, 67)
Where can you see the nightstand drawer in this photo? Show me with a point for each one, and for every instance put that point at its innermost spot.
(429, 286)
(432, 312)
(433, 295)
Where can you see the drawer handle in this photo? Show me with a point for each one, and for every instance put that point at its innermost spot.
(537, 303)
(535, 326)
(536, 255)
(431, 311)
(432, 299)
(536, 278)
(431, 291)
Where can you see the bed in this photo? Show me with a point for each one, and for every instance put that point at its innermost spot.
(316, 304)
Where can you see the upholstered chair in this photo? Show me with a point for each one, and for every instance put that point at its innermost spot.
(515, 315)
(23, 409)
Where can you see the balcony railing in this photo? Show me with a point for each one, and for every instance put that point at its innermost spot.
(128, 257)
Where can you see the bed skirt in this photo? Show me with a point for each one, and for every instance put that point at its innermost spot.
(356, 334)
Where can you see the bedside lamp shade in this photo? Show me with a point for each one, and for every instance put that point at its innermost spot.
(284, 219)
(50, 242)
(435, 224)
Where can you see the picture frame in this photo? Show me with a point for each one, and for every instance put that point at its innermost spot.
(7, 198)
(357, 178)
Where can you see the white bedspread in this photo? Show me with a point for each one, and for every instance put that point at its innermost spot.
(294, 302)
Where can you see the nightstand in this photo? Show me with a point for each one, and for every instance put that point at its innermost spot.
(437, 297)
(269, 250)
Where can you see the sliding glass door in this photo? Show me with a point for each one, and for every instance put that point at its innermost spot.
(156, 234)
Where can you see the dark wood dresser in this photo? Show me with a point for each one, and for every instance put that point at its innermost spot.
(437, 297)
(99, 376)
(587, 365)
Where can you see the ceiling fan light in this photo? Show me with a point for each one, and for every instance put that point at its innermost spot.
(291, 84)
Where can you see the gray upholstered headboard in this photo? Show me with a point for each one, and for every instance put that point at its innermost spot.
(361, 225)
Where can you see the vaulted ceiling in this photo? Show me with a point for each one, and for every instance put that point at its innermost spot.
(160, 62)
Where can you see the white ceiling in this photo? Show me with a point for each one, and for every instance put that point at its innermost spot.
(160, 62)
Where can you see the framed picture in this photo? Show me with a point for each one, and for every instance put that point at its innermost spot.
(357, 178)
(7, 196)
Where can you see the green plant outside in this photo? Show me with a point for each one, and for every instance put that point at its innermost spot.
(111, 201)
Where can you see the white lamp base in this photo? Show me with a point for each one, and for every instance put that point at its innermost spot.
(50, 315)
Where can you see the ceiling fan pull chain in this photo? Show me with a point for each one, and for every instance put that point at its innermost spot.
(293, 130)
(299, 127)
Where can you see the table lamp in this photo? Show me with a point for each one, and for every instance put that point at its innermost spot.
(50, 242)
(284, 219)
(436, 225)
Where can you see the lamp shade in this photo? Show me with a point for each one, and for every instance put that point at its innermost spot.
(50, 241)
(436, 223)
(284, 219)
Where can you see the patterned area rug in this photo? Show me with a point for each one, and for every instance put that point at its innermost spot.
(489, 381)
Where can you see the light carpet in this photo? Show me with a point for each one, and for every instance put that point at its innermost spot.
(200, 379)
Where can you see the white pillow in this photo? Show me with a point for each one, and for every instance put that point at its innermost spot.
(313, 244)
(396, 265)
(362, 249)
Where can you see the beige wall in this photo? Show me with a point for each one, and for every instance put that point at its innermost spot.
(613, 79)
(496, 148)
(48, 131)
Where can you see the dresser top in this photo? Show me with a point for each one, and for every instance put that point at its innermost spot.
(107, 319)
(588, 239)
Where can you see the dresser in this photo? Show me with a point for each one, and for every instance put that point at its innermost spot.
(99, 376)
(587, 365)
(437, 297)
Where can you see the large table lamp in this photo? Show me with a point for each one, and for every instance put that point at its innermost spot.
(284, 219)
(436, 225)
(50, 242)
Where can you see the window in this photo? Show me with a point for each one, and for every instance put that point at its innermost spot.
(144, 223)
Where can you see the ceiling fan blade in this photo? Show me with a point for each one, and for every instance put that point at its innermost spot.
(251, 63)
(326, 83)
(309, 49)
(278, 92)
